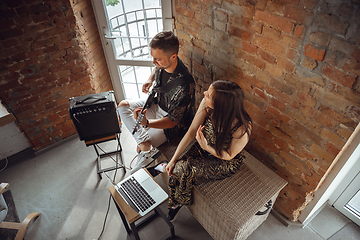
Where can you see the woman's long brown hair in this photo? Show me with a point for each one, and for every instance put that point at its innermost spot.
(228, 100)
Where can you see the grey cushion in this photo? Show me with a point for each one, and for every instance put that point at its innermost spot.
(3, 208)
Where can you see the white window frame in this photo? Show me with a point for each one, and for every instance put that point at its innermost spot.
(112, 62)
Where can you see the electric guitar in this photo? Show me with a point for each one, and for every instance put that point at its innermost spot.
(165, 88)
(147, 104)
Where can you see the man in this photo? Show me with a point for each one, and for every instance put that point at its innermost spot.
(172, 111)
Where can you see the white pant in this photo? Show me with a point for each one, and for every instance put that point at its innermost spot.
(155, 136)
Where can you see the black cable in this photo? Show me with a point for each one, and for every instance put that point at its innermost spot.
(6, 163)
(106, 215)
(108, 155)
(108, 208)
(117, 164)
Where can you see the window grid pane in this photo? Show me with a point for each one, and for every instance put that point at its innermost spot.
(134, 23)
(132, 78)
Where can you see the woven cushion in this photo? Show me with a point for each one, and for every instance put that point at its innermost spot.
(249, 189)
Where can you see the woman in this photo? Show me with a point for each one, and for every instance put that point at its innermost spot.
(222, 128)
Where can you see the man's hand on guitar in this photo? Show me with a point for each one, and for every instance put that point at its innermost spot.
(136, 115)
(146, 86)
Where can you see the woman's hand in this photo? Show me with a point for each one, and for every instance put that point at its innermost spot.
(169, 167)
(136, 115)
(201, 138)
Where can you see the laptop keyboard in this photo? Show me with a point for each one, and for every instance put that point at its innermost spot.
(138, 194)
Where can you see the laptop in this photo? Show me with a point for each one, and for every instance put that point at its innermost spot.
(140, 191)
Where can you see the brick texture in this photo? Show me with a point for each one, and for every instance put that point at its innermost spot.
(50, 51)
(297, 62)
(299, 75)
(313, 52)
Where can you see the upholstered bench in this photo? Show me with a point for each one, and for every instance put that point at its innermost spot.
(234, 207)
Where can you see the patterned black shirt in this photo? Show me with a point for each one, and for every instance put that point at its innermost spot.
(180, 101)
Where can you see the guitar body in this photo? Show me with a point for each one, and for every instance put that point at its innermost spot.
(147, 104)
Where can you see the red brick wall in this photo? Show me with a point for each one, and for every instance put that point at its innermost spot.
(90, 43)
(298, 63)
(48, 53)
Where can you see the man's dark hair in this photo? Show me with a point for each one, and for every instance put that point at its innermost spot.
(166, 41)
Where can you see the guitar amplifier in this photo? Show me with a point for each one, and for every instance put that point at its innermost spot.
(94, 115)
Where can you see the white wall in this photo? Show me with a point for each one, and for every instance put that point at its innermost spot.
(12, 140)
(3, 111)
(338, 176)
